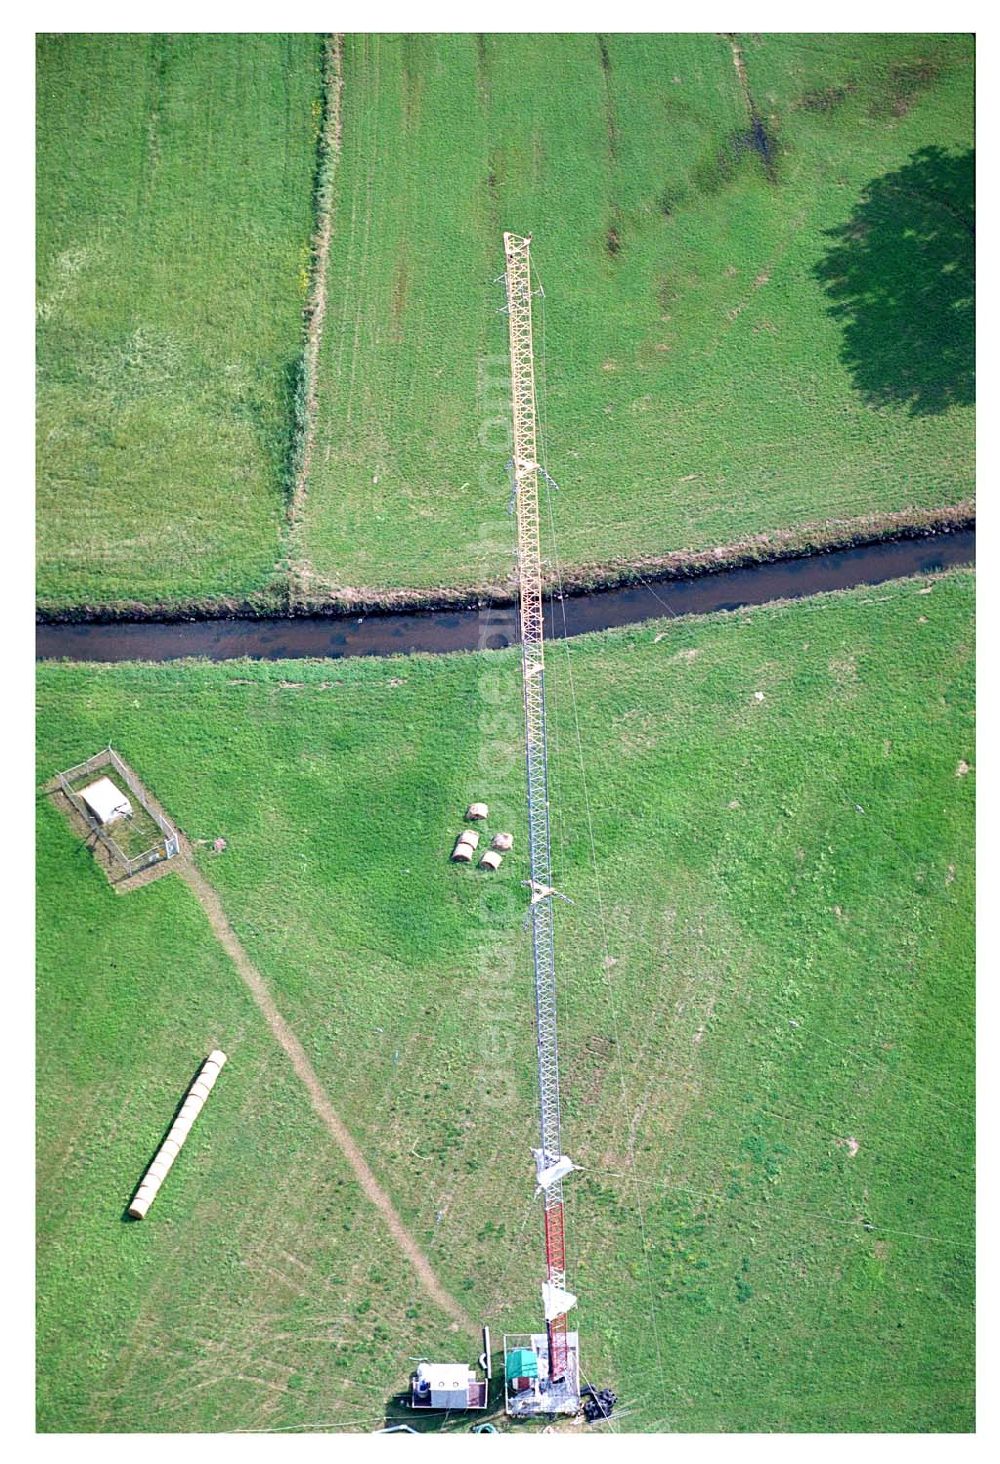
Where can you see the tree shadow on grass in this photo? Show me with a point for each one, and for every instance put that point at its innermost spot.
(900, 276)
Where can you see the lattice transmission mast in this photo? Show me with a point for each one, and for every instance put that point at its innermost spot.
(551, 1164)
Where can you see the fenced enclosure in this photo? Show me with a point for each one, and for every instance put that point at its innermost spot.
(141, 838)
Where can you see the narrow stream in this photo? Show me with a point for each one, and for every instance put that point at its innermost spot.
(436, 631)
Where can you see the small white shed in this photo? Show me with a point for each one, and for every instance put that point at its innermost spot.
(106, 802)
(447, 1385)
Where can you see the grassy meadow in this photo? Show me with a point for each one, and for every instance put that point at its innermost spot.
(766, 1026)
(758, 309)
(758, 292)
(174, 184)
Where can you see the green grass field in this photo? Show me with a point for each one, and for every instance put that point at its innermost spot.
(735, 339)
(745, 331)
(774, 959)
(174, 216)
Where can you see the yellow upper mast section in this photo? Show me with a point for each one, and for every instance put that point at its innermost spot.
(517, 249)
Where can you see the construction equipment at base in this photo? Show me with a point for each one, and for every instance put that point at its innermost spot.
(193, 1103)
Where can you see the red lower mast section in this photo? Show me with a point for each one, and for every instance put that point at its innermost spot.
(555, 1255)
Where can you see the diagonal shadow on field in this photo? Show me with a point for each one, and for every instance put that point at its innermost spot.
(900, 277)
(212, 906)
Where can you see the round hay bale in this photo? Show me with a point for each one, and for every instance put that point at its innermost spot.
(199, 1089)
(477, 810)
(461, 854)
(217, 1057)
(491, 860)
(470, 837)
(139, 1206)
(503, 842)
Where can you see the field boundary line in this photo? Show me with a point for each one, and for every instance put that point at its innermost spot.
(806, 540)
(314, 312)
(208, 898)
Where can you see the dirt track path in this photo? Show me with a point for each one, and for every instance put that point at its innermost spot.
(212, 905)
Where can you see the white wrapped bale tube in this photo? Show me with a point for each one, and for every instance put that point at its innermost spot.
(491, 860)
(503, 842)
(477, 810)
(166, 1154)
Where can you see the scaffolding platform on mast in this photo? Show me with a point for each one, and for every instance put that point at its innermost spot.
(529, 1390)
